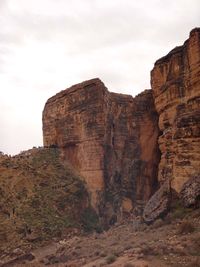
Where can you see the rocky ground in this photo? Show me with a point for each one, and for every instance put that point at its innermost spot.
(174, 241)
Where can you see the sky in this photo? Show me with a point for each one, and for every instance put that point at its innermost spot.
(48, 45)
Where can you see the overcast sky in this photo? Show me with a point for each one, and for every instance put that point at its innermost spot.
(49, 45)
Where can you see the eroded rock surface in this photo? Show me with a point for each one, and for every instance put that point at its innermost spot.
(190, 193)
(175, 81)
(111, 139)
(158, 205)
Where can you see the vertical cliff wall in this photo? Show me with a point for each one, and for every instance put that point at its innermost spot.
(131, 153)
(175, 81)
(111, 139)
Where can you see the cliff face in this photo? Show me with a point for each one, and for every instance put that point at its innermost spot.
(75, 120)
(175, 81)
(111, 139)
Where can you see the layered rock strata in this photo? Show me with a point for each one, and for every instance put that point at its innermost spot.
(111, 139)
(175, 81)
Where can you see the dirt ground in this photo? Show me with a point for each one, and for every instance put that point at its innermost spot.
(165, 243)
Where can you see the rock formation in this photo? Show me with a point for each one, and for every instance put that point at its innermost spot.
(158, 205)
(107, 155)
(190, 193)
(111, 139)
(115, 140)
(175, 81)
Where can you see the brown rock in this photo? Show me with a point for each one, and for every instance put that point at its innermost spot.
(190, 193)
(111, 139)
(175, 81)
(158, 205)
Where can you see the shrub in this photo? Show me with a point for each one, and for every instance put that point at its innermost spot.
(103, 254)
(90, 220)
(186, 228)
(179, 211)
(147, 250)
(110, 259)
(158, 223)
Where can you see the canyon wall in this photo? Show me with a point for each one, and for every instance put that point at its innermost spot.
(175, 81)
(111, 139)
(126, 148)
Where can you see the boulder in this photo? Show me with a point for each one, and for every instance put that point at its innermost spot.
(158, 205)
(190, 193)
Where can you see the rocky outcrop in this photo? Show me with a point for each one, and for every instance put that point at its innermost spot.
(190, 193)
(111, 139)
(175, 81)
(158, 205)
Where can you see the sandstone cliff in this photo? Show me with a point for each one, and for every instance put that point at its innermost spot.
(175, 81)
(128, 152)
(115, 141)
(111, 139)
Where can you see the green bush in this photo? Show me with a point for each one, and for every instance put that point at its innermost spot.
(178, 210)
(110, 259)
(90, 220)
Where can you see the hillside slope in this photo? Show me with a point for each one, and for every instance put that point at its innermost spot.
(39, 198)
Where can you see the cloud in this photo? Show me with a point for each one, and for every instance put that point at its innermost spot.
(48, 45)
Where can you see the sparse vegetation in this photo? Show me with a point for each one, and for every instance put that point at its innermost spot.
(40, 197)
(179, 211)
(90, 220)
(158, 223)
(186, 227)
(103, 254)
(110, 259)
(147, 249)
